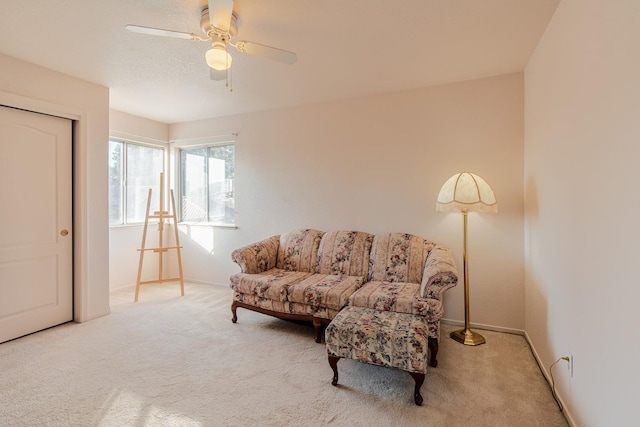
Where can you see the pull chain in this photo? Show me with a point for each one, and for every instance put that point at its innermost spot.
(229, 73)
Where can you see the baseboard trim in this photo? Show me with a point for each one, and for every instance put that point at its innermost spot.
(545, 374)
(117, 288)
(205, 282)
(195, 282)
(95, 316)
(484, 327)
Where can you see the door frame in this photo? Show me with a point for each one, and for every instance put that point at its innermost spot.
(81, 309)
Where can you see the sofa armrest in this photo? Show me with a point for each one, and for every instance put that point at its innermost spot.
(440, 273)
(257, 257)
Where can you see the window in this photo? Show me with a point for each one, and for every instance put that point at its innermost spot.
(133, 170)
(207, 176)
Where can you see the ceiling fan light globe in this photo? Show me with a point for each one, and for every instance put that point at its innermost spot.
(218, 59)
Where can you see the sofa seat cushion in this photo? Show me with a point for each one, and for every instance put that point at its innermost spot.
(400, 297)
(271, 284)
(324, 290)
(311, 310)
(265, 303)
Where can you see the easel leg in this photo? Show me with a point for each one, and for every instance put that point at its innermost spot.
(142, 247)
(178, 247)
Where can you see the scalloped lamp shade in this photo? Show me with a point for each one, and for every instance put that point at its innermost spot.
(466, 192)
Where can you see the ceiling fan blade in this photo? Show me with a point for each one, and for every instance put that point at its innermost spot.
(265, 51)
(220, 12)
(160, 32)
(217, 74)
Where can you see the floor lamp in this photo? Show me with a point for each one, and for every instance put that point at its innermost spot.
(466, 192)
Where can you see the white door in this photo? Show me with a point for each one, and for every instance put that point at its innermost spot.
(36, 270)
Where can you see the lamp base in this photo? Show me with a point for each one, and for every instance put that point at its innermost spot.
(467, 337)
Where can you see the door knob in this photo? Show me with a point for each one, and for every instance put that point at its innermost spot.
(64, 232)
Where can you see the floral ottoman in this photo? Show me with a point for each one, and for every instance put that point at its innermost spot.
(385, 338)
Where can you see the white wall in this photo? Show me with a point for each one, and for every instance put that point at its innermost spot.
(31, 87)
(124, 241)
(138, 129)
(581, 172)
(376, 164)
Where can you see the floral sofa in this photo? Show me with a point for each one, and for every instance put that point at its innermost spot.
(312, 275)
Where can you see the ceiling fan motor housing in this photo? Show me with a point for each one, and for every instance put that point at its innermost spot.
(208, 29)
(219, 27)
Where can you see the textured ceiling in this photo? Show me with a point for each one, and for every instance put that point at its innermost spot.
(346, 48)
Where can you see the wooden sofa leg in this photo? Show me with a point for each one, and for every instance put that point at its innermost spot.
(419, 379)
(317, 327)
(234, 307)
(333, 362)
(433, 349)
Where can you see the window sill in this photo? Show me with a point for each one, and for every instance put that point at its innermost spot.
(129, 225)
(208, 224)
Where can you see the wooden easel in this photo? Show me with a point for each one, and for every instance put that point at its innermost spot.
(162, 216)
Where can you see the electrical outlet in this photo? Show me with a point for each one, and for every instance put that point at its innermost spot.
(571, 364)
(569, 360)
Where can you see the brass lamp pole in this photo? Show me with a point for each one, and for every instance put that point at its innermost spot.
(466, 192)
(466, 336)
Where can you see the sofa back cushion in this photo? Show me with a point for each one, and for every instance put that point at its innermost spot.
(398, 257)
(344, 253)
(298, 250)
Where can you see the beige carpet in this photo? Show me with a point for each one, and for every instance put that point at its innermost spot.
(172, 361)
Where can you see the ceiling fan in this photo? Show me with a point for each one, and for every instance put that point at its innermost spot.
(220, 24)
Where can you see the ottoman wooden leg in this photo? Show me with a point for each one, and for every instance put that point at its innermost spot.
(419, 379)
(333, 362)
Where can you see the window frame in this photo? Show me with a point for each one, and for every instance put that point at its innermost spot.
(123, 179)
(178, 166)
